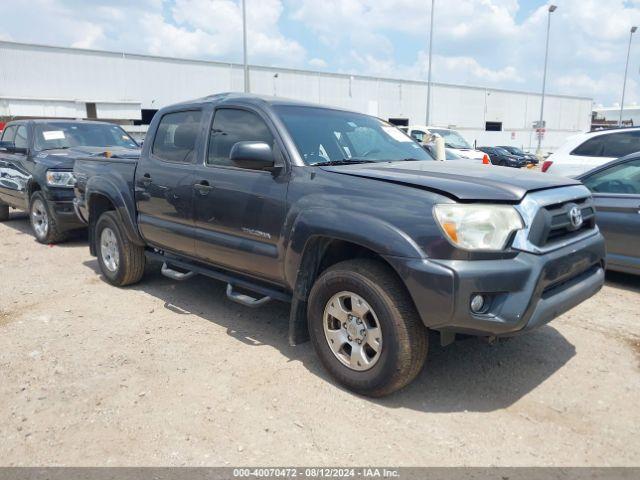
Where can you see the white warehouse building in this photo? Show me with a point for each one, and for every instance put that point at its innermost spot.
(46, 81)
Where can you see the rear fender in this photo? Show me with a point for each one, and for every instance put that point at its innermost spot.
(123, 204)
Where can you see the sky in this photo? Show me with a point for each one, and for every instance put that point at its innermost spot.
(494, 43)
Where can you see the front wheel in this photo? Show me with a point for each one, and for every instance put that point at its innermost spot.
(365, 328)
(43, 224)
(121, 262)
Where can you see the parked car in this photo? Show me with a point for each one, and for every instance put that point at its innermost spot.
(587, 151)
(518, 152)
(452, 140)
(502, 158)
(350, 220)
(616, 192)
(36, 169)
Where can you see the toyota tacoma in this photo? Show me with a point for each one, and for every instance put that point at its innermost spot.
(373, 243)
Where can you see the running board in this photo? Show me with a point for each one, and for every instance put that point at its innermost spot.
(245, 300)
(237, 281)
(175, 275)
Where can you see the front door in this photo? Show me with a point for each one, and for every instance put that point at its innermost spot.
(616, 191)
(164, 183)
(14, 171)
(239, 213)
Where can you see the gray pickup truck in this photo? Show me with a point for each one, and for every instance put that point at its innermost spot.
(373, 243)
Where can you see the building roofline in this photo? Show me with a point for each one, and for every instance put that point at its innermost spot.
(273, 68)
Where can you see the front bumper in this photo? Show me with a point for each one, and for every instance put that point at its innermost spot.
(61, 205)
(523, 292)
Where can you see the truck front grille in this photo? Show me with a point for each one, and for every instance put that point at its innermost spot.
(553, 223)
(555, 218)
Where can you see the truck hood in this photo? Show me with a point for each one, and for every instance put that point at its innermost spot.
(470, 183)
(65, 157)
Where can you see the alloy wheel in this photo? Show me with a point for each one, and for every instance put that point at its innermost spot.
(352, 331)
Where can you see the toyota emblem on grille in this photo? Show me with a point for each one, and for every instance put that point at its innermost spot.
(575, 216)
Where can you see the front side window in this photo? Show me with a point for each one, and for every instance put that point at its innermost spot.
(176, 136)
(620, 179)
(621, 144)
(323, 135)
(20, 140)
(55, 135)
(230, 126)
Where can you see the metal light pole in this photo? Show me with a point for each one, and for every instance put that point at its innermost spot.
(626, 67)
(552, 8)
(433, 6)
(244, 46)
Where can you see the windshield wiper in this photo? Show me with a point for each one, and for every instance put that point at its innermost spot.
(54, 148)
(344, 161)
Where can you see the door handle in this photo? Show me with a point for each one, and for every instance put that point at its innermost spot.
(203, 188)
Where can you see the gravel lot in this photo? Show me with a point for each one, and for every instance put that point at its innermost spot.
(167, 373)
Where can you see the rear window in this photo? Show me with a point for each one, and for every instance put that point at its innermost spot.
(611, 145)
(175, 139)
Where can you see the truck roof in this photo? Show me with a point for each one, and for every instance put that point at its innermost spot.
(57, 120)
(253, 99)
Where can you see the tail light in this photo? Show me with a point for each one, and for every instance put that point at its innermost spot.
(546, 165)
(485, 159)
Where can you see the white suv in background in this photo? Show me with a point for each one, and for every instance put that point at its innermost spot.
(586, 151)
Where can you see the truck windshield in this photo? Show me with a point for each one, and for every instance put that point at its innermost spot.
(50, 136)
(452, 139)
(326, 136)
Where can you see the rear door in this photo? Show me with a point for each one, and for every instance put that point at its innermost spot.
(616, 191)
(164, 182)
(15, 168)
(239, 213)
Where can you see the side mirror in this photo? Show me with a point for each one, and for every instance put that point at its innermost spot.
(252, 156)
(10, 147)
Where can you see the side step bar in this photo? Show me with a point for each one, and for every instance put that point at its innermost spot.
(175, 275)
(232, 280)
(245, 300)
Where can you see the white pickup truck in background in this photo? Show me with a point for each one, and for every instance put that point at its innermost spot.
(453, 141)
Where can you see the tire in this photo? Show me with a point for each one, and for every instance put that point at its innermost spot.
(43, 223)
(4, 212)
(403, 345)
(121, 262)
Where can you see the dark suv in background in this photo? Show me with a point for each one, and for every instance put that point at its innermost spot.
(502, 158)
(36, 168)
(518, 152)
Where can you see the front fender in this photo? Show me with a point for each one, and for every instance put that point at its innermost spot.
(355, 227)
(123, 202)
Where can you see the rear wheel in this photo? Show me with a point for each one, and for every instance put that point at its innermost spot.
(43, 224)
(4, 212)
(365, 328)
(121, 262)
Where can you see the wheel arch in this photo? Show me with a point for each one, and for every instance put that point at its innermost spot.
(317, 242)
(101, 196)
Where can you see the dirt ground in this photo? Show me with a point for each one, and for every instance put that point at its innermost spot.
(166, 373)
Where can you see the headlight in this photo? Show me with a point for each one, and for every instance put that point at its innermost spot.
(478, 226)
(60, 179)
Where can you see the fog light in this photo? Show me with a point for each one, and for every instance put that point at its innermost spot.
(477, 303)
